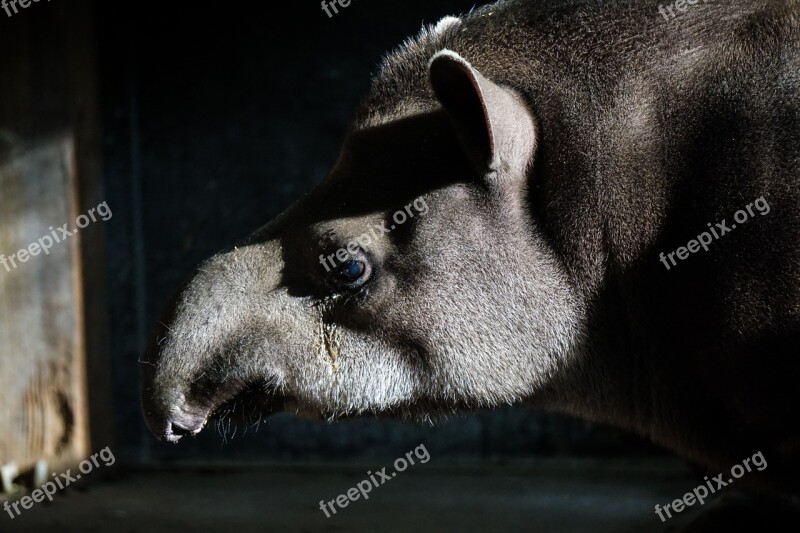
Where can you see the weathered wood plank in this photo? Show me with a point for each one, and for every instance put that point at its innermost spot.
(49, 89)
(42, 356)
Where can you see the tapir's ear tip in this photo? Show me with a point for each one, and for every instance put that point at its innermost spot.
(446, 55)
(448, 71)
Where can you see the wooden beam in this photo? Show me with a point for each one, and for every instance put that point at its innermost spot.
(49, 97)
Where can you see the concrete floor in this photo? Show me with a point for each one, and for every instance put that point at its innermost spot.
(612, 496)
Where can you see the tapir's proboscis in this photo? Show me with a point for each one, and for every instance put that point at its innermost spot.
(577, 206)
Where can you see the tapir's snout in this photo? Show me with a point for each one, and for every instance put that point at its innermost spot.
(165, 407)
(169, 419)
(212, 353)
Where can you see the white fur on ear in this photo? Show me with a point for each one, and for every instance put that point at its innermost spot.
(445, 24)
(449, 54)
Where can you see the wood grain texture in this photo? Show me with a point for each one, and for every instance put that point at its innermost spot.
(49, 94)
(42, 354)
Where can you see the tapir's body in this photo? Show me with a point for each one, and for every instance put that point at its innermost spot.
(582, 166)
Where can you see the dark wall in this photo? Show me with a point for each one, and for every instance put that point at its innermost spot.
(216, 118)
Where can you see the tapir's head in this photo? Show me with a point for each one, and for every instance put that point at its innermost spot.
(413, 280)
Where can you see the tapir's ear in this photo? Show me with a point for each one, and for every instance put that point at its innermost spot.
(493, 124)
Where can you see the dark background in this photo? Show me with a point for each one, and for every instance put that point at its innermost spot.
(216, 117)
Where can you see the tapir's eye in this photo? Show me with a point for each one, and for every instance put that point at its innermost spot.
(352, 270)
(352, 273)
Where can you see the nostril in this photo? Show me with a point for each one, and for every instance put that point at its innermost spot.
(180, 431)
(174, 432)
(178, 428)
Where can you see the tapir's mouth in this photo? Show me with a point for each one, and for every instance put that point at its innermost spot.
(246, 410)
(232, 414)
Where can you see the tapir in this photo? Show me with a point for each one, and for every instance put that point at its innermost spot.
(585, 207)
